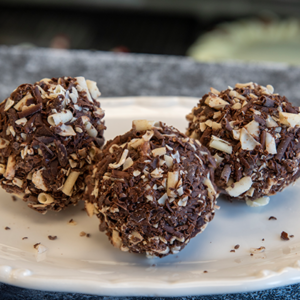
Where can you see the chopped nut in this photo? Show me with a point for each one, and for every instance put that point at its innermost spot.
(82, 233)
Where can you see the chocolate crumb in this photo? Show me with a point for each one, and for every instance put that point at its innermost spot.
(205, 271)
(7, 228)
(36, 245)
(272, 218)
(72, 222)
(291, 235)
(251, 254)
(263, 240)
(52, 237)
(237, 246)
(82, 233)
(25, 238)
(232, 250)
(258, 250)
(14, 198)
(284, 236)
(88, 235)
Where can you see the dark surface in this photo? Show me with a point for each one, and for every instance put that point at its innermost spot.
(99, 28)
(124, 75)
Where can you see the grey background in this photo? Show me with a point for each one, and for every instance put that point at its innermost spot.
(134, 75)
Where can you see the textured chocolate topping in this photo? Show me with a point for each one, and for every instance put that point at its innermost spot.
(254, 137)
(49, 134)
(152, 190)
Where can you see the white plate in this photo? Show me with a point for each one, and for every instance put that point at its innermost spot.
(91, 265)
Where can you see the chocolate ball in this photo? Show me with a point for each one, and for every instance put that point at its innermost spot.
(253, 134)
(50, 132)
(152, 190)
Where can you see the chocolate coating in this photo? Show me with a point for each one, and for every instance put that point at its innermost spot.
(49, 134)
(258, 154)
(152, 190)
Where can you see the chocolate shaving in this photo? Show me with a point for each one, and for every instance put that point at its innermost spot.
(272, 218)
(52, 237)
(268, 102)
(61, 153)
(37, 95)
(259, 120)
(30, 110)
(282, 147)
(226, 173)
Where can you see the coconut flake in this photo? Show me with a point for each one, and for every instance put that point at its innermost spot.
(202, 127)
(236, 106)
(215, 102)
(148, 135)
(236, 134)
(128, 163)
(159, 151)
(240, 187)
(220, 144)
(253, 128)
(176, 156)
(141, 125)
(218, 159)
(262, 201)
(247, 141)
(289, 119)
(270, 144)
(237, 95)
(162, 199)
(136, 173)
(270, 122)
(172, 182)
(169, 160)
(121, 162)
(157, 173)
(217, 114)
(8, 104)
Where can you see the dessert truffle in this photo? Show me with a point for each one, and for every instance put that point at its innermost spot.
(50, 132)
(152, 190)
(253, 134)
